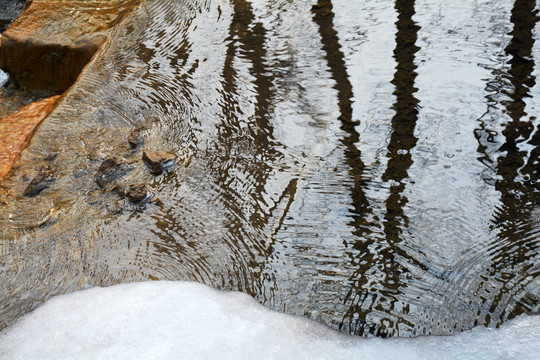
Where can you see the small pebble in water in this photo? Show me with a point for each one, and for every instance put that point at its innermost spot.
(111, 169)
(136, 192)
(135, 137)
(158, 161)
(43, 179)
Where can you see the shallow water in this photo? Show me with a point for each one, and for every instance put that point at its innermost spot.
(372, 165)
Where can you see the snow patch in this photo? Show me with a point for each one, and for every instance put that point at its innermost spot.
(183, 320)
(4, 78)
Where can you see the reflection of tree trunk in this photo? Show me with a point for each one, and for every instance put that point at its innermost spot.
(324, 16)
(518, 196)
(520, 75)
(511, 257)
(402, 140)
(404, 122)
(518, 171)
(247, 40)
(377, 266)
(251, 153)
(524, 17)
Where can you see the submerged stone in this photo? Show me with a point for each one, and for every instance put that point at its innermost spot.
(17, 129)
(116, 207)
(111, 169)
(93, 197)
(136, 192)
(44, 178)
(80, 171)
(134, 138)
(158, 161)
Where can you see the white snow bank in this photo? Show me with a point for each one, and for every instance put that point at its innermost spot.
(182, 320)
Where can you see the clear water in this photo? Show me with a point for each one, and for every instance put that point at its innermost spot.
(372, 165)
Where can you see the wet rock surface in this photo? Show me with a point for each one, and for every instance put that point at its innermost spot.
(49, 44)
(14, 98)
(80, 171)
(135, 137)
(44, 178)
(136, 192)
(9, 10)
(111, 169)
(158, 161)
(116, 207)
(41, 54)
(17, 129)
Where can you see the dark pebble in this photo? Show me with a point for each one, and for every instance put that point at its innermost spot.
(111, 169)
(44, 178)
(135, 137)
(136, 192)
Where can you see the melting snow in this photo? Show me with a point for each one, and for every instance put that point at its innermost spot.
(183, 320)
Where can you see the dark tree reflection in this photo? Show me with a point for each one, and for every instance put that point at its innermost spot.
(518, 172)
(376, 285)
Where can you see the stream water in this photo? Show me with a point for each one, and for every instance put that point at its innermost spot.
(372, 165)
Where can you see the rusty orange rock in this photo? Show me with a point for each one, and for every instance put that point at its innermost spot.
(49, 44)
(17, 129)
